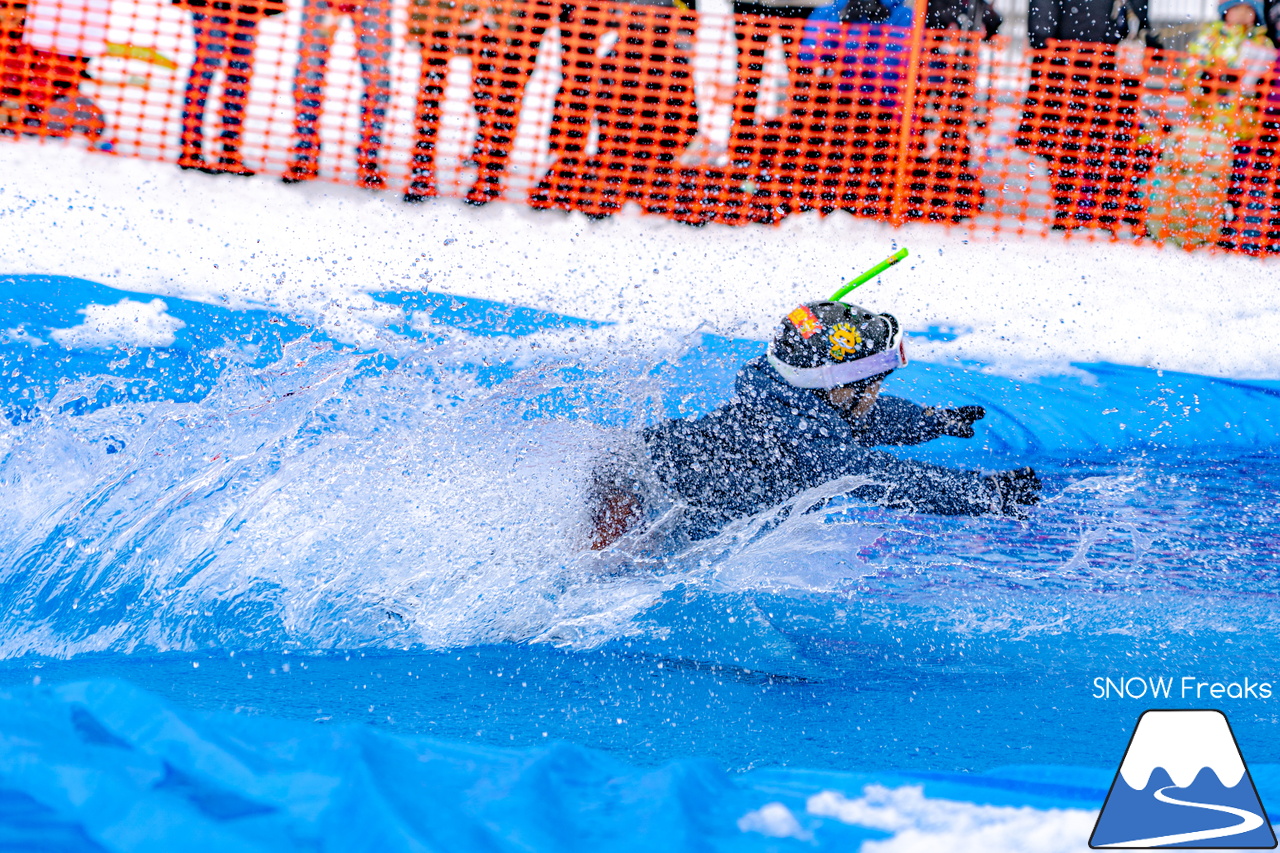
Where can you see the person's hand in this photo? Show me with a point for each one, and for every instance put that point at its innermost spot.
(958, 422)
(1017, 490)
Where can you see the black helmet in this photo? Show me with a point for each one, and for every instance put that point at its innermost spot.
(829, 344)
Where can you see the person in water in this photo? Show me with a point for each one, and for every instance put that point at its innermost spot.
(807, 413)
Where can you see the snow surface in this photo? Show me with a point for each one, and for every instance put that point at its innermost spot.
(923, 825)
(128, 322)
(1025, 306)
(774, 820)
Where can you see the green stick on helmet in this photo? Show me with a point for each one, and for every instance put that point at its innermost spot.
(869, 274)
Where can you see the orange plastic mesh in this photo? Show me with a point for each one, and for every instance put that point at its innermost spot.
(701, 118)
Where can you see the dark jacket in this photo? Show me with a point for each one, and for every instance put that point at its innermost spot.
(1083, 20)
(965, 15)
(869, 52)
(773, 441)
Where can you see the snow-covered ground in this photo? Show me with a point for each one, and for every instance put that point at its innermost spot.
(1029, 305)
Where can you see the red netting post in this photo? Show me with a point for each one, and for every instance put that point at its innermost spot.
(918, 14)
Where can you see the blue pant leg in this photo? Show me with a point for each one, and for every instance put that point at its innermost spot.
(243, 42)
(1246, 198)
(309, 77)
(373, 34)
(210, 51)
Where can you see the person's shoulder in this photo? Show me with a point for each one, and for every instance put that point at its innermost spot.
(758, 376)
(1204, 38)
(763, 396)
(1213, 29)
(899, 14)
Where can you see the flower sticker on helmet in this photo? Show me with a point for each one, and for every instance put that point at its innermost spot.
(805, 321)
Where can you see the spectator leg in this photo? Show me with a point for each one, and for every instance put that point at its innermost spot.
(761, 148)
(677, 125)
(572, 112)
(431, 78)
(1128, 165)
(210, 49)
(654, 120)
(752, 38)
(821, 150)
(308, 89)
(1267, 186)
(507, 56)
(235, 99)
(1246, 200)
(373, 32)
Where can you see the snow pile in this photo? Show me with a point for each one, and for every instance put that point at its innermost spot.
(774, 820)
(1022, 306)
(923, 825)
(128, 323)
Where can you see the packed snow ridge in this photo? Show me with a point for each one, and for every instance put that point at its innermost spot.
(1018, 306)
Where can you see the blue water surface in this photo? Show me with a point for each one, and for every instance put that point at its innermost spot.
(295, 586)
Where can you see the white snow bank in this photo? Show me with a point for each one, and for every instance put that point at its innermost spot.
(774, 820)
(128, 322)
(923, 825)
(1034, 306)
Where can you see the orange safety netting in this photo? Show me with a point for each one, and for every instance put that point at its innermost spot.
(701, 118)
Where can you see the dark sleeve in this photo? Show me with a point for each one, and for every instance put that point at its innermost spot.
(894, 421)
(920, 487)
(1141, 12)
(991, 20)
(1042, 22)
(864, 12)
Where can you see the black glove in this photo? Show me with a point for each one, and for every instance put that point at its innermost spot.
(957, 422)
(1017, 490)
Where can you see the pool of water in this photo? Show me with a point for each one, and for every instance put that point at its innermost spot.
(381, 524)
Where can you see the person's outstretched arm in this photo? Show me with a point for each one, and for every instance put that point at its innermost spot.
(921, 487)
(893, 421)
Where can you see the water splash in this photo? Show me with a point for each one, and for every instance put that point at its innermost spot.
(258, 483)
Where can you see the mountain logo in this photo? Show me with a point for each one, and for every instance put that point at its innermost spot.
(1183, 783)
